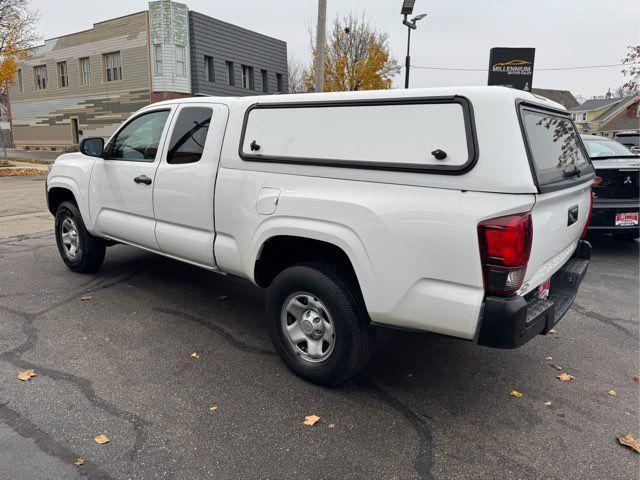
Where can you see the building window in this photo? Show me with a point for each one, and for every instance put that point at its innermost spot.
(584, 116)
(112, 67)
(230, 75)
(181, 69)
(157, 59)
(265, 81)
(63, 77)
(19, 80)
(208, 69)
(247, 77)
(280, 82)
(40, 75)
(85, 71)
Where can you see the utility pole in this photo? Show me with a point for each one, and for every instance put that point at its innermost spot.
(407, 62)
(320, 44)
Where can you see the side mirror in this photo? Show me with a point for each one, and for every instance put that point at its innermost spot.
(93, 147)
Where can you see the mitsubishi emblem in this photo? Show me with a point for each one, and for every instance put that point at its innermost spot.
(627, 180)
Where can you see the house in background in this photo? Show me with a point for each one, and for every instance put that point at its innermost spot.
(607, 116)
(86, 84)
(563, 97)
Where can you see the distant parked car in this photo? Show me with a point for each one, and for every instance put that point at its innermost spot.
(630, 139)
(616, 202)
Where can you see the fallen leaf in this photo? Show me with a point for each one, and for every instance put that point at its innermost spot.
(79, 462)
(86, 298)
(515, 393)
(565, 377)
(213, 407)
(332, 425)
(636, 378)
(311, 420)
(195, 355)
(222, 297)
(101, 439)
(612, 393)
(409, 375)
(547, 404)
(629, 441)
(26, 375)
(557, 367)
(548, 358)
(552, 331)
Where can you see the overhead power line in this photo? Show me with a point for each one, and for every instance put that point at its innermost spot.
(581, 67)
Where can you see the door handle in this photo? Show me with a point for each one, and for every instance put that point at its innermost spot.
(143, 179)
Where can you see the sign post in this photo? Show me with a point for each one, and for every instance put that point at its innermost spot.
(511, 67)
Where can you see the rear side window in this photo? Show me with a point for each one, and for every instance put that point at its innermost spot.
(554, 145)
(189, 135)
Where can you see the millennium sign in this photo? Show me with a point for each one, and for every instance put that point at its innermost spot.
(511, 67)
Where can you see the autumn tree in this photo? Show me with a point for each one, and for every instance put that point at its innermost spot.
(17, 36)
(632, 68)
(357, 57)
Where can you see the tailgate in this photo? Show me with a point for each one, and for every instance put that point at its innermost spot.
(563, 174)
(558, 221)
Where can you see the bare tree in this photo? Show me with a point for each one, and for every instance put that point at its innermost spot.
(295, 76)
(624, 91)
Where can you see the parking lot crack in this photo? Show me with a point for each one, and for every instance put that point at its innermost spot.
(423, 461)
(612, 321)
(46, 443)
(84, 386)
(224, 334)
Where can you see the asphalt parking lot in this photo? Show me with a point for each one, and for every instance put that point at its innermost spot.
(120, 363)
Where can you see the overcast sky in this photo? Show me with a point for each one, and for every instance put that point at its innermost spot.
(455, 34)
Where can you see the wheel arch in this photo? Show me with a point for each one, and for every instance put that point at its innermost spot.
(62, 188)
(278, 247)
(57, 195)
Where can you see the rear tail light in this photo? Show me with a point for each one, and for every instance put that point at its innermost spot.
(597, 181)
(505, 246)
(586, 225)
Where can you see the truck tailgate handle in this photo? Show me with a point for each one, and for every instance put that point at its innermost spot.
(142, 179)
(572, 216)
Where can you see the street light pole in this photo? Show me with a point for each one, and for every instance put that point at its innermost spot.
(320, 44)
(411, 25)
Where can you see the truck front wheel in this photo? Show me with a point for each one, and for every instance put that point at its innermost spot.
(80, 251)
(318, 323)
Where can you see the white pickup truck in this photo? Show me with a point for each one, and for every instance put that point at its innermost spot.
(451, 210)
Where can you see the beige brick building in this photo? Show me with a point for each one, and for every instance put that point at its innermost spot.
(83, 84)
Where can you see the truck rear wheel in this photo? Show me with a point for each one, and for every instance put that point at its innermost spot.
(80, 251)
(318, 323)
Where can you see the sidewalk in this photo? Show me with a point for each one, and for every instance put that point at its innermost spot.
(19, 165)
(42, 156)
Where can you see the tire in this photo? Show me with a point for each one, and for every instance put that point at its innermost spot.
(89, 251)
(333, 300)
(627, 235)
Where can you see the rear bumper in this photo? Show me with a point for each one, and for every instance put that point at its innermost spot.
(510, 322)
(604, 213)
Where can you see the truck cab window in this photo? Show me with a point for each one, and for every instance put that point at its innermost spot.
(140, 138)
(189, 135)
